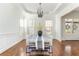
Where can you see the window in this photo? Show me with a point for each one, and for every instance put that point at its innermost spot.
(48, 26)
(30, 27)
(21, 23)
(71, 25)
(27, 26)
(68, 25)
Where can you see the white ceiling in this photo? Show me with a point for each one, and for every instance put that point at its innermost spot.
(46, 7)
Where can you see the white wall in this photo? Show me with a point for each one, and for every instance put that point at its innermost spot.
(74, 36)
(9, 26)
(58, 19)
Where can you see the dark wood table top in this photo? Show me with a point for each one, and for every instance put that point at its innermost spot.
(40, 50)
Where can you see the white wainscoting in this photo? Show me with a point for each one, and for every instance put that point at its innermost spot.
(7, 40)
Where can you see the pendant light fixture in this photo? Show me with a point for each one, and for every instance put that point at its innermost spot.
(40, 11)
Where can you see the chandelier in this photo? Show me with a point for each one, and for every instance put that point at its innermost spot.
(40, 11)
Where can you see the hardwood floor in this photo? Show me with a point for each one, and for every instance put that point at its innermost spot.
(74, 44)
(16, 50)
(66, 48)
(59, 49)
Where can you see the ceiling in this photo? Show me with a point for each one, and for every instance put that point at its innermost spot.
(46, 7)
